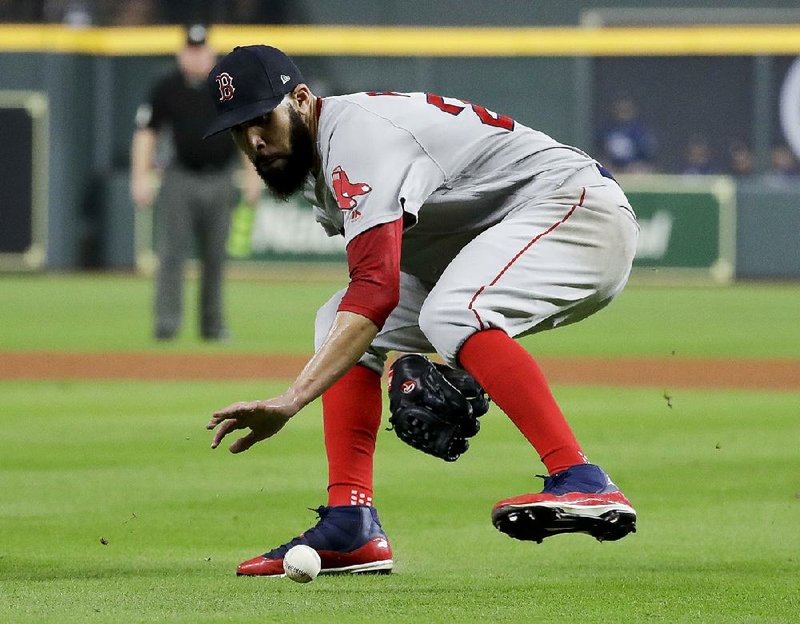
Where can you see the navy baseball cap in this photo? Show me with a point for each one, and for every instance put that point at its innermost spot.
(249, 82)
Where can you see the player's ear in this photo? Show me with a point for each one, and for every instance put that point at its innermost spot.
(302, 96)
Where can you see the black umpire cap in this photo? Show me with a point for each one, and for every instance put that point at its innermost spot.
(249, 82)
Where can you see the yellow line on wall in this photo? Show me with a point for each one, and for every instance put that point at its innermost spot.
(408, 41)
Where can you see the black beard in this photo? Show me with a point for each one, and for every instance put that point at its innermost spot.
(285, 179)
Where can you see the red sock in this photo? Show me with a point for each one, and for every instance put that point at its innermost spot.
(513, 379)
(351, 411)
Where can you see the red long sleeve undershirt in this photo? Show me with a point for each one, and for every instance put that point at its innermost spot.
(374, 261)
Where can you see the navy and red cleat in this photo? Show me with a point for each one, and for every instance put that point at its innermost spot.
(580, 499)
(348, 538)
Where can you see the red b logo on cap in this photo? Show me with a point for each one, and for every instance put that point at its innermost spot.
(226, 88)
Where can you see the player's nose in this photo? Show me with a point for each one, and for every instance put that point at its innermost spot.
(254, 139)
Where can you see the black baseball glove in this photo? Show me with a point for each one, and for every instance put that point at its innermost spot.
(434, 408)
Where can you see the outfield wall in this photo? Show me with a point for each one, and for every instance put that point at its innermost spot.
(724, 82)
(707, 228)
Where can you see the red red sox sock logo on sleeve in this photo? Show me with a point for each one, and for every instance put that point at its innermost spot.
(347, 191)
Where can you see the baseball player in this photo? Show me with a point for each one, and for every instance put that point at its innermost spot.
(464, 229)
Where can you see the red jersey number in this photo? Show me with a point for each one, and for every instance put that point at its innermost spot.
(486, 116)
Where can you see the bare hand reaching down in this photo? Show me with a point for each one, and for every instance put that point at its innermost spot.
(263, 418)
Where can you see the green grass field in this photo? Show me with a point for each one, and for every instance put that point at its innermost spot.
(715, 478)
(106, 313)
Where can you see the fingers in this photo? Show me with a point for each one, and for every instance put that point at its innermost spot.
(232, 411)
(239, 416)
(215, 420)
(225, 429)
(244, 443)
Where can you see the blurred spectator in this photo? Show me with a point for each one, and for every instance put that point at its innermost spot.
(783, 166)
(627, 142)
(699, 158)
(741, 162)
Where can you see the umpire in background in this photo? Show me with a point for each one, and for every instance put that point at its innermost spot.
(197, 192)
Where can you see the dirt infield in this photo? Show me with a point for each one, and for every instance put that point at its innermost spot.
(664, 373)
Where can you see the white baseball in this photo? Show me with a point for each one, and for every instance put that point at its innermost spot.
(302, 563)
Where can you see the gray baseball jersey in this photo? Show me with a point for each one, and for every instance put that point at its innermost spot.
(461, 176)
